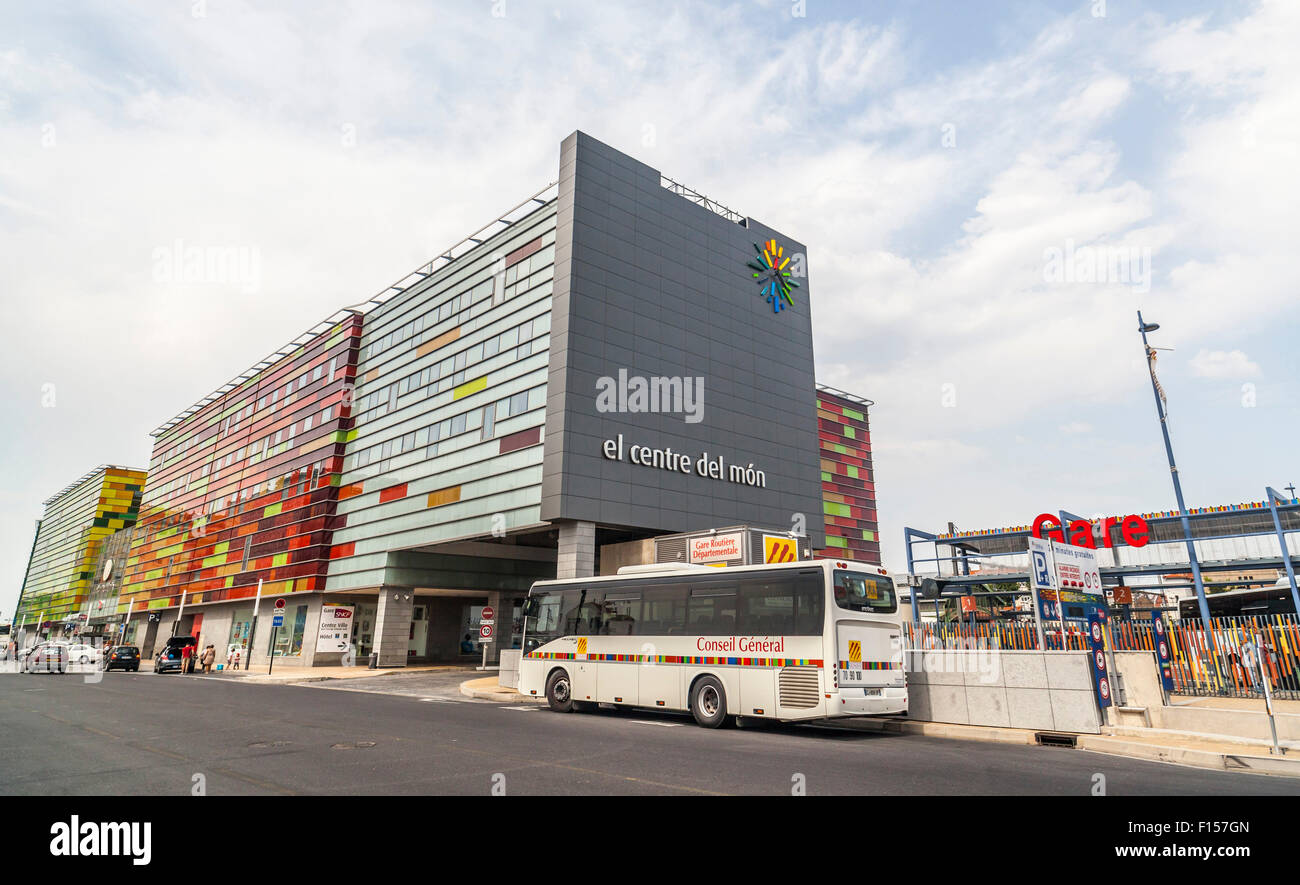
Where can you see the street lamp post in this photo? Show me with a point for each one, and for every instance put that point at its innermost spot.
(1145, 327)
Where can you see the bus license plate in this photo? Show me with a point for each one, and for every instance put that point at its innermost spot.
(871, 692)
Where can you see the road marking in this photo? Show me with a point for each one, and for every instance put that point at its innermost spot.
(521, 709)
(100, 733)
(653, 722)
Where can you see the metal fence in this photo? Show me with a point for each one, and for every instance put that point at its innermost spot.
(1011, 635)
(1230, 668)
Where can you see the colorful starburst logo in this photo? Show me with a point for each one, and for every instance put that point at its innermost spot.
(773, 278)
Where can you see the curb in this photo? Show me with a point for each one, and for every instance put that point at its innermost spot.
(276, 680)
(949, 730)
(273, 679)
(500, 695)
(1256, 744)
(1279, 766)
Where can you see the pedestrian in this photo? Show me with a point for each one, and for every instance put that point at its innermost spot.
(187, 654)
(209, 655)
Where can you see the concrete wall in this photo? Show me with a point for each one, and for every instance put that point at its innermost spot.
(393, 626)
(1141, 674)
(1047, 691)
(614, 556)
(508, 676)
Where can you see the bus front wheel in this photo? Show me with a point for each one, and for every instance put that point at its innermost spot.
(559, 692)
(709, 702)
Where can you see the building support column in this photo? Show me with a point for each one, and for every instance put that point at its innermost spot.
(576, 557)
(393, 625)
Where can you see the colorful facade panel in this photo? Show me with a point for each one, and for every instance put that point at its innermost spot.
(245, 487)
(848, 481)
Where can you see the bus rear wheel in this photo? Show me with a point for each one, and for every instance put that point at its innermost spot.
(709, 702)
(559, 692)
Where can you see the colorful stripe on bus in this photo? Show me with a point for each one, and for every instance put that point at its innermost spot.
(674, 659)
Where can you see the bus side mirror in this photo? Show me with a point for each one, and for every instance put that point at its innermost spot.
(530, 607)
(930, 588)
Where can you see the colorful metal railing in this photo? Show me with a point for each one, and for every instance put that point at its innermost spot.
(1230, 666)
(1010, 635)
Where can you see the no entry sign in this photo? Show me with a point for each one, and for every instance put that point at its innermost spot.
(489, 615)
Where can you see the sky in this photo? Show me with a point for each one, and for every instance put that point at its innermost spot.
(989, 193)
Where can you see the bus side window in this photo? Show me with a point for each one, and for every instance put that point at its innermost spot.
(622, 609)
(808, 596)
(768, 609)
(712, 611)
(664, 604)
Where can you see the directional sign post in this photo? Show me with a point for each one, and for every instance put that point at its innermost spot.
(1041, 570)
(486, 628)
(1162, 651)
(1100, 677)
(277, 621)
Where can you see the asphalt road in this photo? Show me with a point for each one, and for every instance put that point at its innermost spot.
(151, 735)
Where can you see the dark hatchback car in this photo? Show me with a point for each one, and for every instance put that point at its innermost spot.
(123, 657)
(171, 657)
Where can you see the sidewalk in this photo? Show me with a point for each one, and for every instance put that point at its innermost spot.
(1251, 704)
(1182, 748)
(486, 688)
(284, 674)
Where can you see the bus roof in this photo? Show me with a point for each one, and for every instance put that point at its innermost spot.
(664, 569)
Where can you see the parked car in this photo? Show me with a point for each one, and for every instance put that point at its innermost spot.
(48, 657)
(171, 658)
(83, 654)
(123, 657)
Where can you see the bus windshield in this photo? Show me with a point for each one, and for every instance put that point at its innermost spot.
(860, 592)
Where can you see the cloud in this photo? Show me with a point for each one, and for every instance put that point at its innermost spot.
(345, 145)
(1076, 427)
(1229, 364)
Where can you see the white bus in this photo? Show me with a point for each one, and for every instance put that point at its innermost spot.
(804, 640)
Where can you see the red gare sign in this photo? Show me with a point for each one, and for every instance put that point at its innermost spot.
(1133, 529)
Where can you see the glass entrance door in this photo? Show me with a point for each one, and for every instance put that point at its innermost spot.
(363, 631)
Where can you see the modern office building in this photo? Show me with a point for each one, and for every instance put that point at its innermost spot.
(242, 493)
(617, 357)
(69, 538)
(100, 618)
(848, 481)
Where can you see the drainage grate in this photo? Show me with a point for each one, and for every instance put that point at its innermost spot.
(1055, 739)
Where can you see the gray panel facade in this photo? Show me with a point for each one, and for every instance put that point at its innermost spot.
(650, 282)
